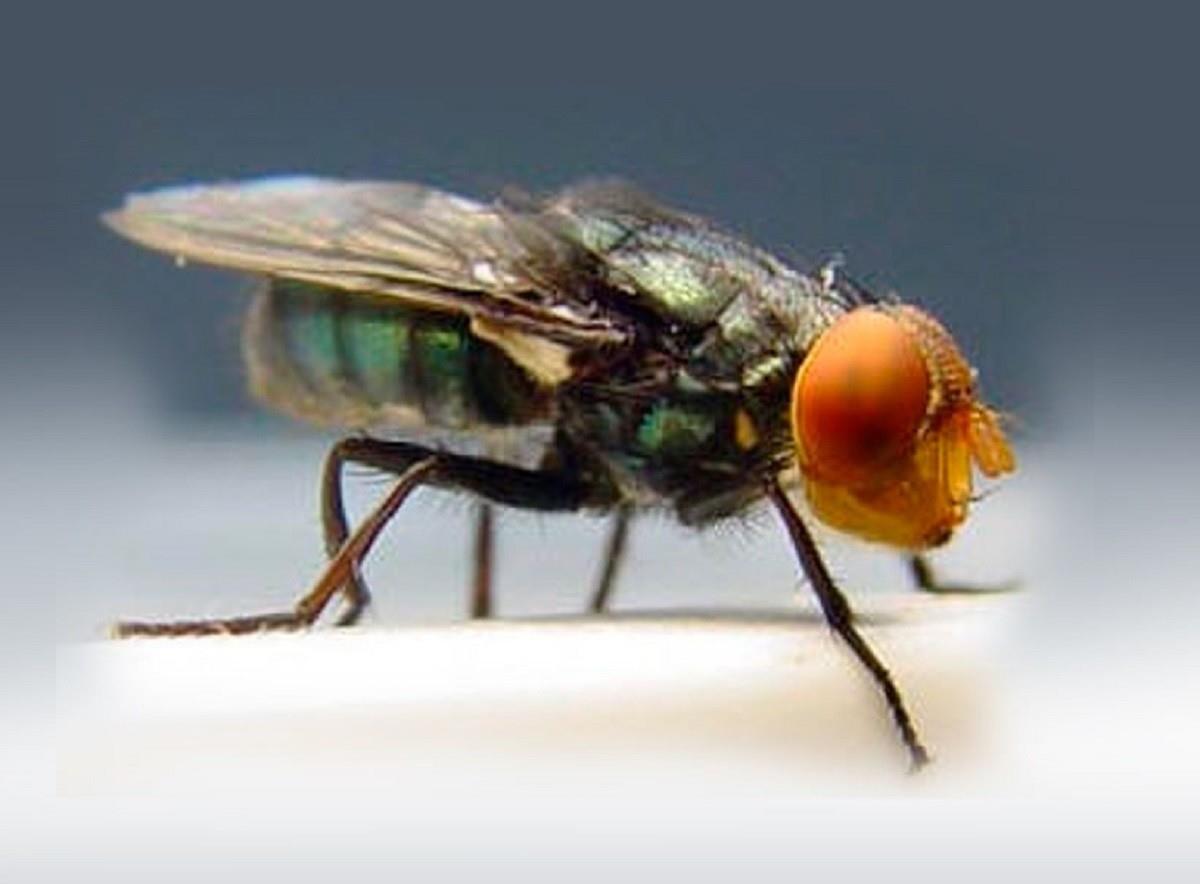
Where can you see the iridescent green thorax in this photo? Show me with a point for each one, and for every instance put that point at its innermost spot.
(744, 314)
(694, 449)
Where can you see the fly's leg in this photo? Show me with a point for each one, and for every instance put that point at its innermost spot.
(333, 523)
(481, 580)
(359, 450)
(614, 552)
(840, 618)
(415, 466)
(333, 519)
(927, 581)
(490, 482)
(340, 569)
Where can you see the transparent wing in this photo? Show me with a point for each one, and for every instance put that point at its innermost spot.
(295, 225)
(423, 245)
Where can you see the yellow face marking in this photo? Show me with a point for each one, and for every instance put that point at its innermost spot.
(745, 434)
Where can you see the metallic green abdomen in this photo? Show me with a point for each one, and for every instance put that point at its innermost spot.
(361, 361)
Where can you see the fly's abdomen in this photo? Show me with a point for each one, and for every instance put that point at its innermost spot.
(369, 362)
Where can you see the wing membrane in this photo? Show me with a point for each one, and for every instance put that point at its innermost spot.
(293, 225)
(396, 239)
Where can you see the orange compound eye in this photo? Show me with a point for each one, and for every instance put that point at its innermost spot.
(859, 398)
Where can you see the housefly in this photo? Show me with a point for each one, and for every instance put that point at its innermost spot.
(592, 350)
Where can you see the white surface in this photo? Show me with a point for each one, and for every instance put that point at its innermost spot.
(472, 703)
(1066, 734)
(600, 749)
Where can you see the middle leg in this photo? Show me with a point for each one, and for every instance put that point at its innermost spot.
(614, 552)
(484, 549)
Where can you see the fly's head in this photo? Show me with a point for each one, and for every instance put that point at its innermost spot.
(887, 424)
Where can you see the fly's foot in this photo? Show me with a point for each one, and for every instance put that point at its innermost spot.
(287, 621)
(927, 581)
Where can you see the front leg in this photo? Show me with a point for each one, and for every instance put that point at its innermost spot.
(927, 581)
(840, 618)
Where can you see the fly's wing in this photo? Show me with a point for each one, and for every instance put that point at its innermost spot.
(431, 249)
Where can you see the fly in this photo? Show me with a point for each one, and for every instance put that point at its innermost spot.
(590, 351)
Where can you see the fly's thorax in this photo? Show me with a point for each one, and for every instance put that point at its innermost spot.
(355, 361)
(719, 423)
(887, 423)
(700, 450)
(761, 333)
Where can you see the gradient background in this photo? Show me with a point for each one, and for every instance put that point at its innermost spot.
(1030, 180)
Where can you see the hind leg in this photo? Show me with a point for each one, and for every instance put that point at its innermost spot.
(341, 567)
(490, 481)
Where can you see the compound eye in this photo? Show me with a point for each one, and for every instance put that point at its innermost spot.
(859, 398)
